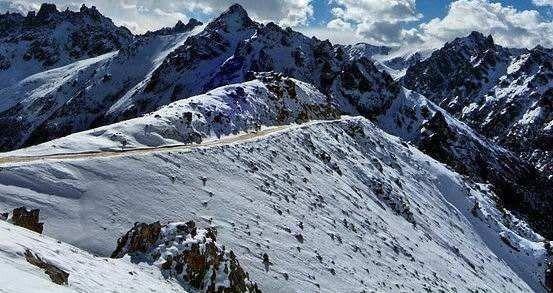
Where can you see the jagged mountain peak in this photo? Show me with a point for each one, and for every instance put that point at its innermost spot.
(190, 24)
(474, 41)
(49, 38)
(499, 91)
(235, 18)
(180, 27)
(46, 10)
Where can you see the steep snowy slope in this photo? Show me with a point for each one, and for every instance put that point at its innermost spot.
(49, 38)
(273, 100)
(505, 94)
(226, 51)
(519, 186)
(87, 273)
(64, 100)
(232, 46)
(268, 100)
(337, 206)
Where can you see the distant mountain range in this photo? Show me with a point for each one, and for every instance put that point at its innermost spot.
(73, 83)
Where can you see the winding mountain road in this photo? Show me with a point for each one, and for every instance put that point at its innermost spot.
(243, 137)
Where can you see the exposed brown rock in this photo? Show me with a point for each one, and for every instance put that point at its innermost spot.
(139, 239)
(56, 274)
(198, 263)
(23, 218)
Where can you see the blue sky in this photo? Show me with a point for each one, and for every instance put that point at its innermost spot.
(518, 23)
(430, 9)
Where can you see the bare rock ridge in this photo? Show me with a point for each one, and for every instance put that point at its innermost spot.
(188, 254)
(179, 28)
(505, 94)
(24, 218)
(56, 274)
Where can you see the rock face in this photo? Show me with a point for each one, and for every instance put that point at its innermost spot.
(50, 38)
(56, 274)
(225, 52)
(139, 239)
(179, 28)
(188, 254)
(233, 45)
(505, 94)
(23, 218)
(549, 278)
(520, 187)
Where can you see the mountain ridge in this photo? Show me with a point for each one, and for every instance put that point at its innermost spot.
(234, 123)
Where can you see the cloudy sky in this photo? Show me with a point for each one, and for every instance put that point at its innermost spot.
(516, 23)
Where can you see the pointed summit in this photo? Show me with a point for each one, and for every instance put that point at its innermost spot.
(233, 19)
(46, 10)
(475, 40)
(181, 27)
(481, 39)
(236, 9)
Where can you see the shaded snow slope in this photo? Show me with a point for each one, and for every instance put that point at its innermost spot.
(337, 206)
(269, 100)
(506, 94)
(87, 273)
(49, 39)
(73, 98)
(520, 187)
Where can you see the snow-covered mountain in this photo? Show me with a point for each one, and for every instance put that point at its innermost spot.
(269, 100)
(49, 39)
(273, 100)
(238, 125)
(105, 90)
(77, 96)
(334, 206)
(505, 94)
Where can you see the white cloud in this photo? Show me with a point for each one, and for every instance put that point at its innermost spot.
(340, 25)
(543, 2)
(19, 6)
(143, 15)
(378, 21)
(508, 26)
(336, 36)
(385, 22)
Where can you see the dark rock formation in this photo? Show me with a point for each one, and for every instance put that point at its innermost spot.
(139, 239)
(56, 274)
(189, 254)
(179, 28)
(503, 93)
(23, 218)
(549, 276)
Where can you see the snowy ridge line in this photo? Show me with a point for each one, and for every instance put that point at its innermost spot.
(240, 138)
(377, 200)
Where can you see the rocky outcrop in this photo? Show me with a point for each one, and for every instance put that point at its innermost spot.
(24, 218)
(139, 239)
(179, 28)
(188, 254)
(549, 276)
(52, 38)
(56, 274)
(505, 94)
